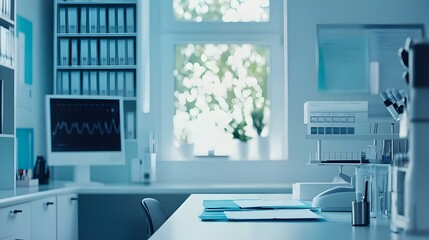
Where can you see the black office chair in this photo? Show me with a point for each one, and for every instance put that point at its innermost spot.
(155, 213)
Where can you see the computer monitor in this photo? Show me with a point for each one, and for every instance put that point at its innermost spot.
(84, 131)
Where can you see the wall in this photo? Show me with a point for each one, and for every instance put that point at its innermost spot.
(300, 25)
(40, 13)
(302, 17)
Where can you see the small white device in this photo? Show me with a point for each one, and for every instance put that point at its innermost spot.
(337, 199)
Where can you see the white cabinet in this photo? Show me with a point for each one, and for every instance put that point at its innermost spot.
(43, 219)
(54, 217)
(15, 222)
(67, 217)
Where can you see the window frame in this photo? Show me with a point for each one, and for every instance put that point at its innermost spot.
(269, 34)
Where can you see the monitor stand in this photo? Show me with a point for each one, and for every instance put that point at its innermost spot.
(82, 176)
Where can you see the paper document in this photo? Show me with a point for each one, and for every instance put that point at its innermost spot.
(271, 204)
(281, 214)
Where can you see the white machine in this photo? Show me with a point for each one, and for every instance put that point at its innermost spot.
(336, 117)
(410, 208)
(337, 199)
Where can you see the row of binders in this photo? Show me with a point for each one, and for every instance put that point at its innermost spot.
(112, 83)
(96, 20)
(7, 46)
(6, 8)
(96, 52)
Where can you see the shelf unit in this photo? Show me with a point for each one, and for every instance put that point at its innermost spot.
(319, 138)
(7, 95)
(340, 164)
(95, 52)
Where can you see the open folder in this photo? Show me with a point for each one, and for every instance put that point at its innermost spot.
(256, 209)
(244, 204)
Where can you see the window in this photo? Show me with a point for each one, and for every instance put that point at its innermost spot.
(222, 80)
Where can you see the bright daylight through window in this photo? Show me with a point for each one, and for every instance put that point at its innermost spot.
(222, 10)
(220, 95)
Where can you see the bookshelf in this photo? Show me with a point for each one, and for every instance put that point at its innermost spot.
(7, 95)
(95, 52)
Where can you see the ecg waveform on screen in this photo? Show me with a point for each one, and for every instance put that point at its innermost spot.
(85, 127)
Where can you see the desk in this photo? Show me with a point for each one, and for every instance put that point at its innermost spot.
(184, 224)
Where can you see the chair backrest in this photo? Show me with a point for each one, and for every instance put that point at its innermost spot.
(155, 213)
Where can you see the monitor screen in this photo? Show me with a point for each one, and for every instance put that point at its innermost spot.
(84, 130)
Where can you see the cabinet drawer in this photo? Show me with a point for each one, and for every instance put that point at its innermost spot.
(15, 222)
(43, 218)
(67, 217)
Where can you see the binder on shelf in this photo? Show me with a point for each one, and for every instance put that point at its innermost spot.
(102, 20)
(112, 83)
(7, 8)
(121, 51)
(12, 49)
(130, 125)
(59, 87)
(120, 83)
(3, 45)
(84, 52)
(129, 14)
(112, 20)
(75, 83)
(93, 19)
(10, 46)
(83, 20)
(65, 83)
(72, 19)
(93, 52)
(104, 59)
(121, 20)
(129, 84)
(93, 83)
(64, 52)
(102, 83)
(112, 52)
(62, 20)
(74, 54)
(130, 52)
(85, 83)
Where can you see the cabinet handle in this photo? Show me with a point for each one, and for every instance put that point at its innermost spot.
(16, 211)
(73, 199)
(49, 203)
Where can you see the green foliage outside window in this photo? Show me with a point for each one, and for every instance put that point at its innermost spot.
(220, 88)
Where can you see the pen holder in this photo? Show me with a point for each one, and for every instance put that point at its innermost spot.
(360, 213)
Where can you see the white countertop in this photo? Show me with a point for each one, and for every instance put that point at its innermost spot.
(25, 194)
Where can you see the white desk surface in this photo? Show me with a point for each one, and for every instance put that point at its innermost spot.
(184, 224)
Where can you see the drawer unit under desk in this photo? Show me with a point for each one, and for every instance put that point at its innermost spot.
(15, 222)
(43, 218)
